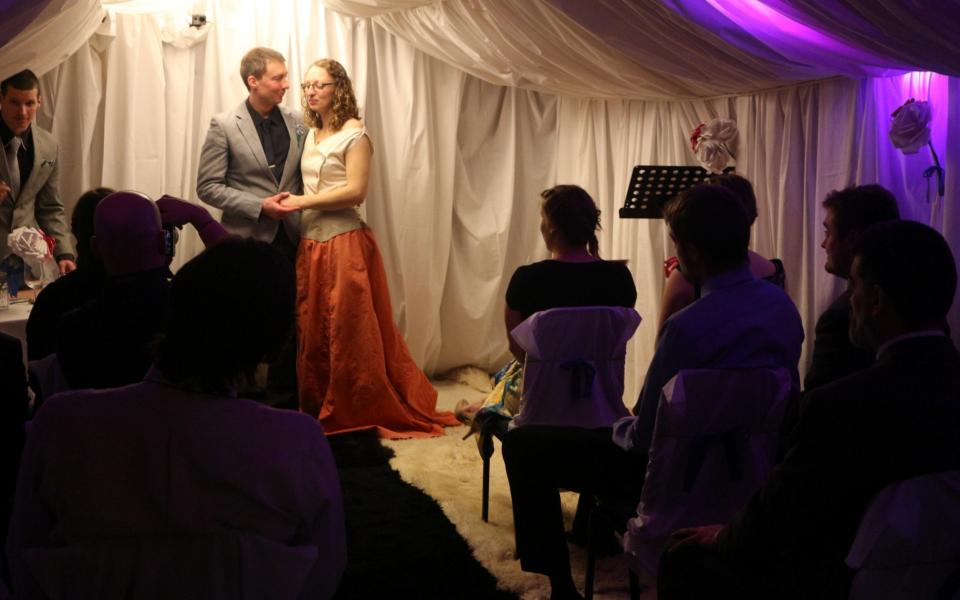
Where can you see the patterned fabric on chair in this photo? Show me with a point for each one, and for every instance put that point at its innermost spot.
(908, 543)
(573, 374)
(714, 444)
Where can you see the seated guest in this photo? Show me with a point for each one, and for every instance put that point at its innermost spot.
(73, 289)
(894, 420)
(13, 414)
(848, 213)
(679, 292)
(574, 275)
(739, 322)
(106, 342)
(178, 455)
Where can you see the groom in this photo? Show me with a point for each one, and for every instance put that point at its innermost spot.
(250, 161)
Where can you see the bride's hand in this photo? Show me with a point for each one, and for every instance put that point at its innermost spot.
(278, 205)
(291, 202)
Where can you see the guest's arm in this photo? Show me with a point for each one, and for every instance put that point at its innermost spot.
(668, 358)
(677, 293)
(352, 193)
(512, 318)
(177, 212)
(50, 212)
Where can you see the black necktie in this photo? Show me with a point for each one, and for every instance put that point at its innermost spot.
(267, 140)
(13, 165)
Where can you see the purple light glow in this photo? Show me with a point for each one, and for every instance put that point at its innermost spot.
(791, 39)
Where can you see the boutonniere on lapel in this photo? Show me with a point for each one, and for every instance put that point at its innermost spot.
(301, 133)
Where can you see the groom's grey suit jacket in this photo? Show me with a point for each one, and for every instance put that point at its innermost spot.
(233, 174)
(38, 204)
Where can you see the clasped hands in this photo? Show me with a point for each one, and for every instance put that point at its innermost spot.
(279, 205)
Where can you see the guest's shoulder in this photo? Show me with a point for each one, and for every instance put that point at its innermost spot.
(533, 268)
(42, 136)
(224, 117)
(615, 266)
(84, 403)
(286, 424)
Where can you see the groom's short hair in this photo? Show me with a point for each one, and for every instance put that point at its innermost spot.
(255, 62)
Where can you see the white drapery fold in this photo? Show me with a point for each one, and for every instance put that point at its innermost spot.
(672, 49)
(40, 35)
(459, 162)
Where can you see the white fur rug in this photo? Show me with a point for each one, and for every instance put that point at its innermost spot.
(449, 470)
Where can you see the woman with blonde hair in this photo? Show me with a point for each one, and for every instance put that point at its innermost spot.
(353, 366)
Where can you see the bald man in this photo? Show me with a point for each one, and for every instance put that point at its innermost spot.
(108, 341)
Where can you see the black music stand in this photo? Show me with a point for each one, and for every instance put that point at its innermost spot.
(652, 186)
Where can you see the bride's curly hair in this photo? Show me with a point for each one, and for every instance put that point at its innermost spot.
(344, 102)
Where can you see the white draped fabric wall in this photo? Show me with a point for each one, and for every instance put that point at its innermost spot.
(459, 161)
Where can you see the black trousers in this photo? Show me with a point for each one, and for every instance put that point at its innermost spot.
(282, 373)
(540, 461)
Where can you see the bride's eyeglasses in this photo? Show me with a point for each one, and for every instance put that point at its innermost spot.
(315, 85)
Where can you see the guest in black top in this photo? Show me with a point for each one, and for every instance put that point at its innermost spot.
(574, 275)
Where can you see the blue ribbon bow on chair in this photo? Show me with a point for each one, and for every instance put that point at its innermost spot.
(729, 440)
(582, 375)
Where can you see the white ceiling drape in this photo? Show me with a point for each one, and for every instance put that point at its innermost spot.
(673, 49)
(41, 34)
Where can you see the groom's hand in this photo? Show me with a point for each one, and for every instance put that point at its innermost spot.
(273, 209)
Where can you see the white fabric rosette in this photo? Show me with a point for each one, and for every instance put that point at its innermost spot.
(714, 147)
(30, 244)
(910, 129)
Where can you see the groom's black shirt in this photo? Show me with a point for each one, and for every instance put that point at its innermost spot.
(277, 146)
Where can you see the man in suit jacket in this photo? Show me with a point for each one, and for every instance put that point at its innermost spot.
(249, 162)
(894, 420)
(848, 213)
(29, 171)
(251, 156)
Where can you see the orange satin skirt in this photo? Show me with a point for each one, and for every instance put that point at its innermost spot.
(353, 368)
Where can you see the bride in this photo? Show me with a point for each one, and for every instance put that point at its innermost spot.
(354, 368)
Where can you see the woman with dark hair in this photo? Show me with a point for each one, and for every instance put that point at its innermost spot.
(354, 368)
(679, 292)
(574, 275)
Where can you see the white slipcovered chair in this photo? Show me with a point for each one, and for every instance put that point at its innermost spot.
(573, 372)
(908, 543)
(714, 444)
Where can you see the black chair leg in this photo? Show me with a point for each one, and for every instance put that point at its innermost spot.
(485, 506)
(635, 588)
(486, 451)
(592, 540)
